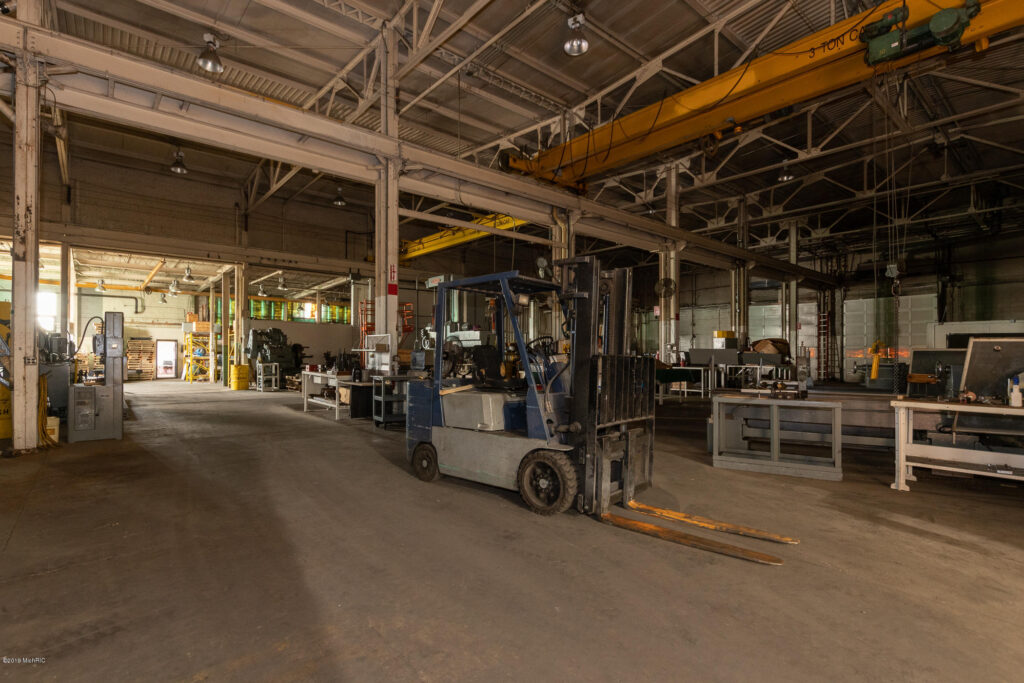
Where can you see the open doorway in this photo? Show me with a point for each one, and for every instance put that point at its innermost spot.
(166, 358)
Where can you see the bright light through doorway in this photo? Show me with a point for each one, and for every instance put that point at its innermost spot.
(46, 310)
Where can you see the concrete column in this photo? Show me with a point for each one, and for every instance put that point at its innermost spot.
(386, 238)
(25, 245)
(241, 311)
(225, 328)
(316, 310)
(794, 292)
(213, 334)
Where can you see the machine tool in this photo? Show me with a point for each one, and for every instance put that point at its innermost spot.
(96, 411)
(565, 419)
(271, 346)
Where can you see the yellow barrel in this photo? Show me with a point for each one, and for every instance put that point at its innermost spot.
(239, 377)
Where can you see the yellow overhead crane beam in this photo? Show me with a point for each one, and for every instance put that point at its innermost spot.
(813, 66)
(454, 236)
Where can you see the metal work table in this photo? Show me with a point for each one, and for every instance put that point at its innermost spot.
(666, 378)
(948, 458)
(730, 431)
(358, 397)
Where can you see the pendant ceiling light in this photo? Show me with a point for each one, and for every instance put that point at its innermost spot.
(339, 199)
(178, 167)
(208, 60)
(280, 284)
(785, 175)
(577, 44)
(188, 274)
(163, 298)
(261, 291)
(100, 287)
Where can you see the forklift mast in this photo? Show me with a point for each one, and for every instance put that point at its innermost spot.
(613, 388)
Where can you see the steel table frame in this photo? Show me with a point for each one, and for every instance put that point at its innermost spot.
(268, 376)
(949, 458)
(329, 379)
(777, 461)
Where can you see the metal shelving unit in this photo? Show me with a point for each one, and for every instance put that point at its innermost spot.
(389, 395)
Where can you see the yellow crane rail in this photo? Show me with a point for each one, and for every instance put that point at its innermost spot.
(823, 62)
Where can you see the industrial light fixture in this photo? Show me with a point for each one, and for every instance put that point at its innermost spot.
(163, 298)
(188, 274)
(179, 167)
(339, 199)
(208, 59)
(174, 288)
(577, 44)
(280, 284)
(261, 291)
(785, 175)
(100, 287)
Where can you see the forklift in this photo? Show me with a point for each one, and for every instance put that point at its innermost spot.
(566, 419)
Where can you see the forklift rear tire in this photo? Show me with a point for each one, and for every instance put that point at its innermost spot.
(547, 482)
(424, 462)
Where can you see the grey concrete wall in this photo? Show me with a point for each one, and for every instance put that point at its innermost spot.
(155, 202)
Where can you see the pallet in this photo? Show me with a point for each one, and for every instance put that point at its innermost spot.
(141, 357)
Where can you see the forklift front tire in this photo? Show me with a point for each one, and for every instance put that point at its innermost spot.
(424, 462)
(547, 482)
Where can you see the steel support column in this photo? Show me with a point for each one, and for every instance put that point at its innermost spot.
(794, 293)
(563, 236)
(64, 304)
(225, 328)
(213, 332)
(25, 245)
(241, 311)
(672, 219)
(386, 238)
(742, 278)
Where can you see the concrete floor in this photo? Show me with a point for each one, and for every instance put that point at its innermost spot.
(232, 537)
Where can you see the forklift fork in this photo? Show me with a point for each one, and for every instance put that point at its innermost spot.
(692, 540)
(708, 523)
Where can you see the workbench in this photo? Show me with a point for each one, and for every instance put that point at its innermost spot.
(910, 454)
(358, 396)
(736, 420)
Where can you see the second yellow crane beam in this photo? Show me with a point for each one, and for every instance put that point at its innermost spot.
(454, 236)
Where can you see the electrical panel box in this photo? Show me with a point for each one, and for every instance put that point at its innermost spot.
(93, 413)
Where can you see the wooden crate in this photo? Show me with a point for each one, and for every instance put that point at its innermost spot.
(201, 327)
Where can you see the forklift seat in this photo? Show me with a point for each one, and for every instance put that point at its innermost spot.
(487, 360)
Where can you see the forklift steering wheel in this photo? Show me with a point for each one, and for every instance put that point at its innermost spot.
(546, 339)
